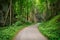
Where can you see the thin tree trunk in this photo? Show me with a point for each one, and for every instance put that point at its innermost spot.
(6, 15)
(10, 10)
(35, 11)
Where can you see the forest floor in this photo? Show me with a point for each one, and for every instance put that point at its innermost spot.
(30, 33)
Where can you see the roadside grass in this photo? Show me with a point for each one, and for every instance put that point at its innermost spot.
(51, 29)
(8, 32)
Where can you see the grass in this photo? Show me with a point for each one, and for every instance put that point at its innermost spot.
(51, 29)
(7, 33)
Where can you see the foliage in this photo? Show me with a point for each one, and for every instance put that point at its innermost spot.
(8, 32)
(52, 1)
(25, 12)
(22, 9)
(51, 28)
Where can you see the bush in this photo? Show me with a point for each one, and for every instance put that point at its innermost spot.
(51, 29)
(7, 33)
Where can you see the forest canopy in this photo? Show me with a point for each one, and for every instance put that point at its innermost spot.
(16, 14)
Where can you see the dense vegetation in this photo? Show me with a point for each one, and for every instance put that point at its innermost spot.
(51, 27)
(16, 14)
(8, 32)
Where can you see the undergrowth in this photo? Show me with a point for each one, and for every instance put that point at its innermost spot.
(8, 32)
(51, 29)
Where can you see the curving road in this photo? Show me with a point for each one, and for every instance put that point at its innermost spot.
(30, 33)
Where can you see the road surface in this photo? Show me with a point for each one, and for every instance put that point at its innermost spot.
(30, 33)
